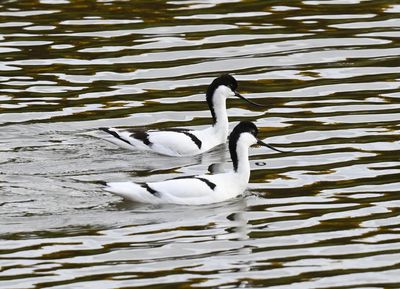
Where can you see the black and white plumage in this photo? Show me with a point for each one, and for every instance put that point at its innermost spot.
(184, 142)
(203, 189)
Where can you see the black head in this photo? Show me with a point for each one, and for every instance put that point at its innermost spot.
(226, 80)
(244, 127)
(230, 82)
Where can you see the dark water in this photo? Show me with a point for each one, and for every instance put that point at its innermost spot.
(325, 216)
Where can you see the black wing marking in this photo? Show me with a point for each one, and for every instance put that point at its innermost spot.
(176, 129)
(114, 134)
(141, 135)
(194, 138)
(208, 183)
(150, 190)
(184, 177)
(187, 132)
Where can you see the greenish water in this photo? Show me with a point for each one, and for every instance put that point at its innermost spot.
(325, 216)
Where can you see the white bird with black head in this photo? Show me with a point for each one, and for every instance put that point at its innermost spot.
(184, 142)
(202, 189)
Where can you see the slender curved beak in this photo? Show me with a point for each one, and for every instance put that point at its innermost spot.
(270, 146)
(249, 101)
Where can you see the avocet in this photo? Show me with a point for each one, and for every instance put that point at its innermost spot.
(184, 142)
(202, 189)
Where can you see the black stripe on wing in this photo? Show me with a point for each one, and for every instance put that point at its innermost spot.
(150, 190)
(114, 134)
(194, 139)
(187, 132)
(141, 135)
(207, 182)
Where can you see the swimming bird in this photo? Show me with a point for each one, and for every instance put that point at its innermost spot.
(180, 141)
(202, 189)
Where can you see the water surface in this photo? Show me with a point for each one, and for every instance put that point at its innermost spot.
(324, 216)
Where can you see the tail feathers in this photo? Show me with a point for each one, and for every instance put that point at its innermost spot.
(133, 192)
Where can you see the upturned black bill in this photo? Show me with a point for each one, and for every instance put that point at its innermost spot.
(270, 146)
(249, 101)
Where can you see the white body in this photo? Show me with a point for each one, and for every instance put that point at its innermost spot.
(172, 143)
(175, 143)
(193, 191)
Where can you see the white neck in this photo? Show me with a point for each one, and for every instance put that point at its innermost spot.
(221, 125)
(243, 166)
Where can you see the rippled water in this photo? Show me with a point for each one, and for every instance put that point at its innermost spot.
(325, 216)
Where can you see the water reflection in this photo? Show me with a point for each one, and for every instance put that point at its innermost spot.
(325, 216)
